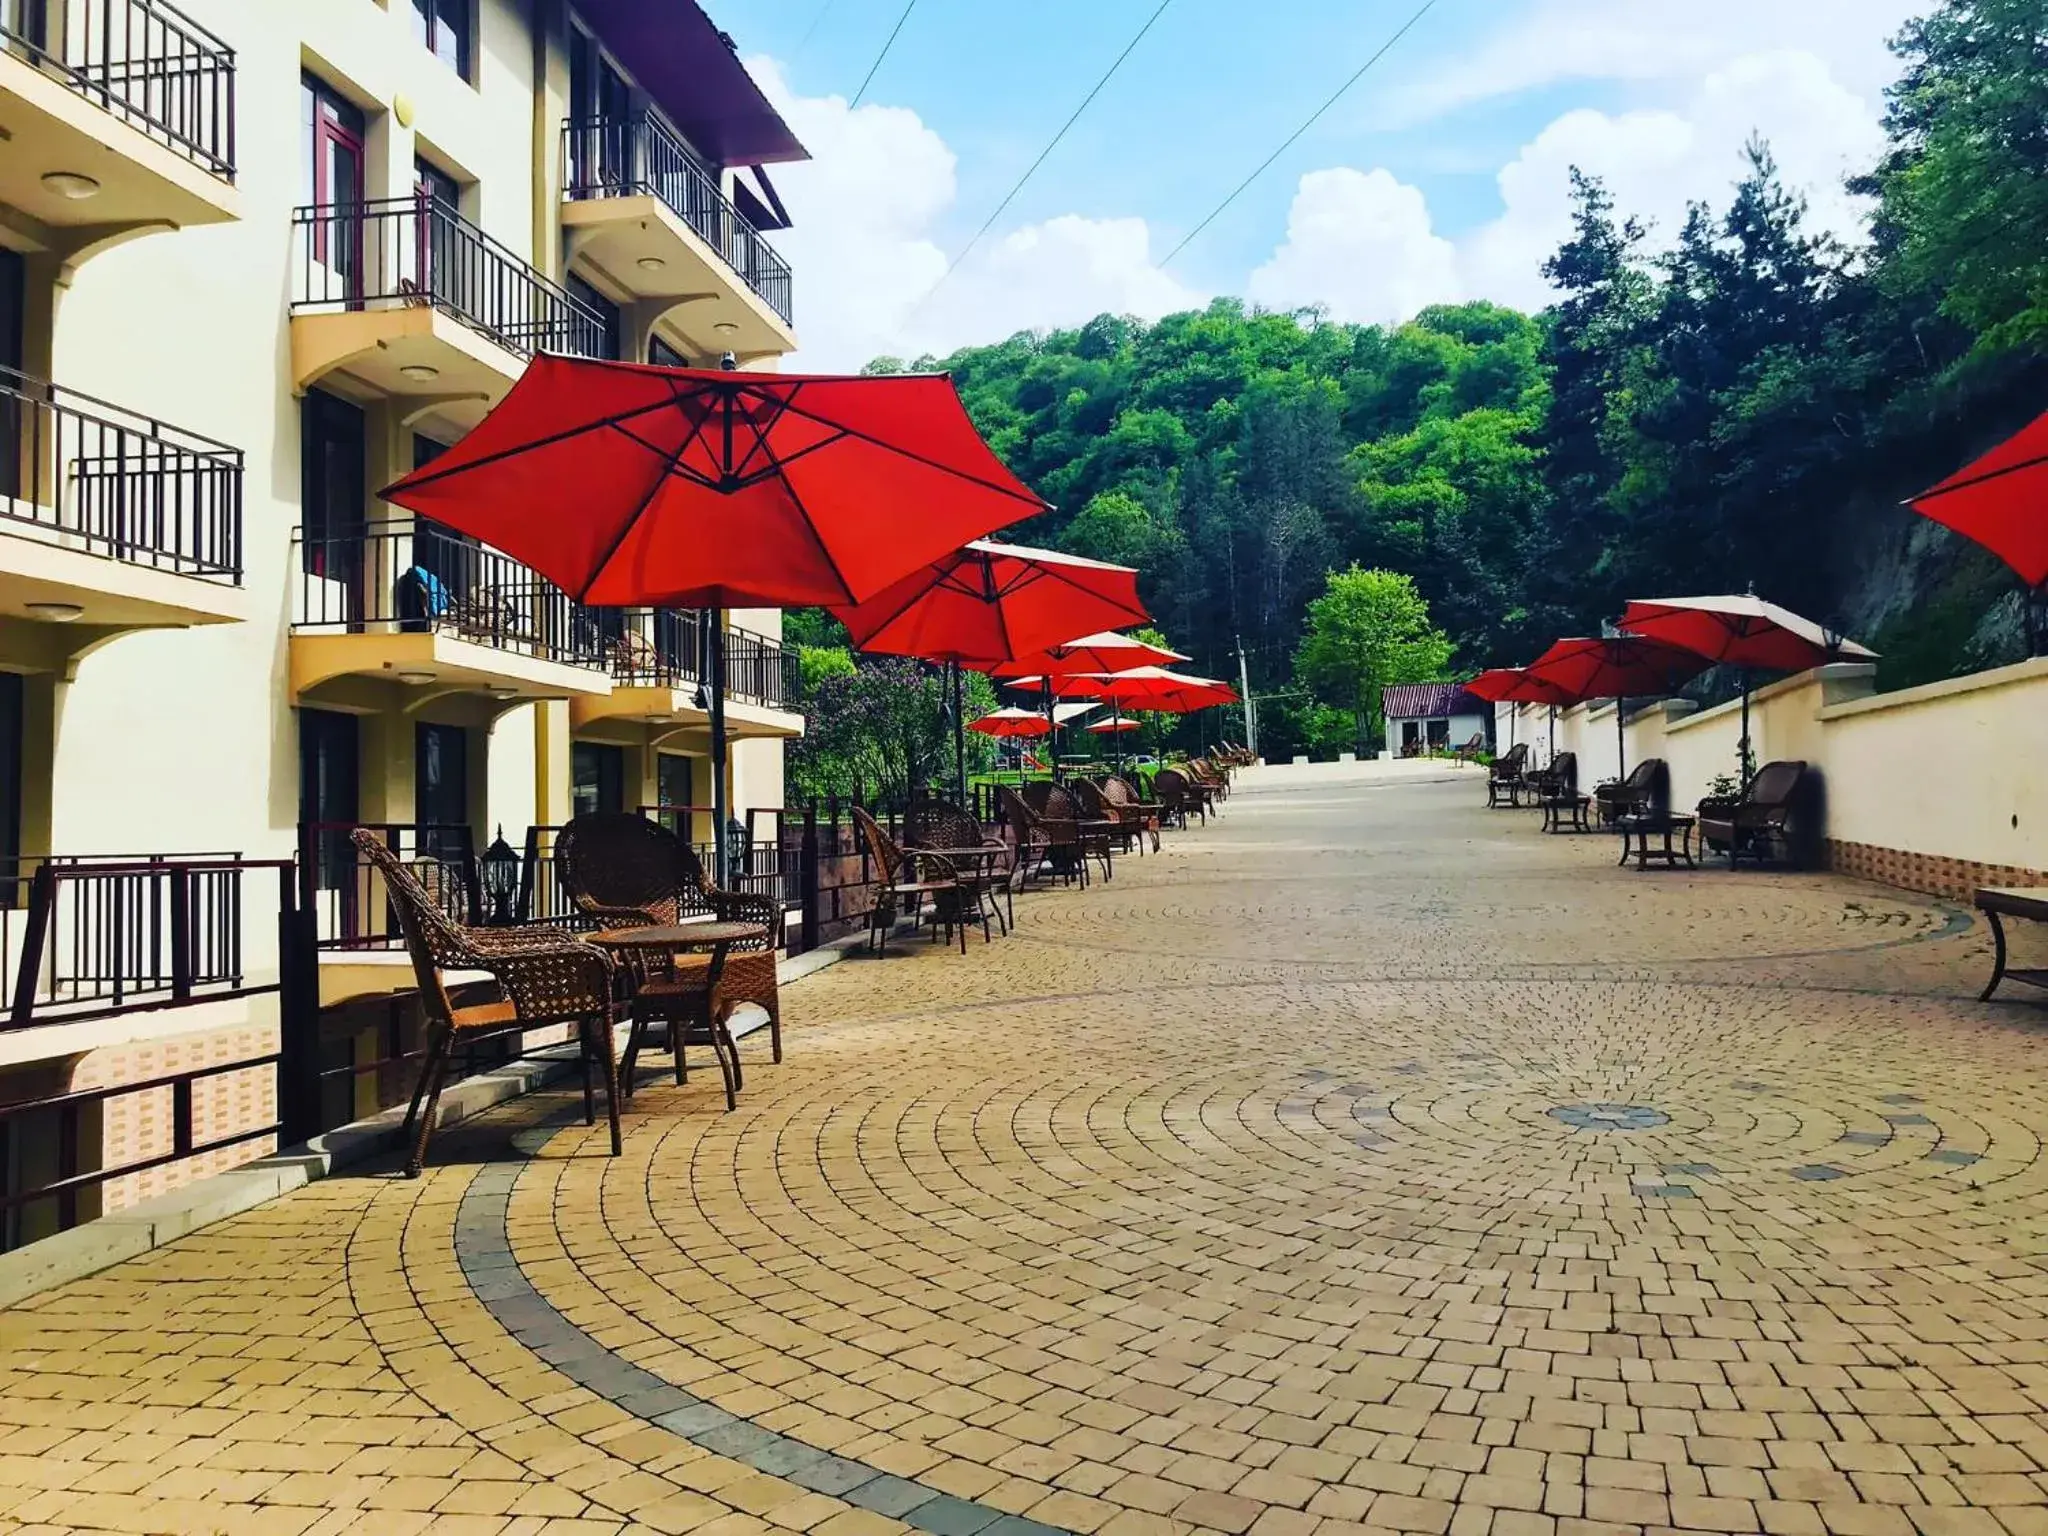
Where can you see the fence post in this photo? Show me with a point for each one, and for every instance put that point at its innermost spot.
(181, 932)
(807, 878)
(42, 896)
(298, 1017)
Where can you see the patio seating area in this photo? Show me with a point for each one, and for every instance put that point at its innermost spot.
(1541, 1196)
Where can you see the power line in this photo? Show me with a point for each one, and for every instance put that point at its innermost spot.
(1032, 170)
(888, 43)
(1285, 144)
(810, 32)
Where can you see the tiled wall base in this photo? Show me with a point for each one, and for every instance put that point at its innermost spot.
(1931, 873)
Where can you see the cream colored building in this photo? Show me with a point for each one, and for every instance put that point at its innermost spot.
(257, 258)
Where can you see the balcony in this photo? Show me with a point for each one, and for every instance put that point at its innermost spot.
(405, 299)
(416, 608)
(657, 671)
(110, 520)
(644, 212)
(120, 118)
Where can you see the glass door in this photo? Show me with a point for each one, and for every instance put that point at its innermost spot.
(328, 794)
(333, 183)
(333, 476)
(440, 783)
(13, 300)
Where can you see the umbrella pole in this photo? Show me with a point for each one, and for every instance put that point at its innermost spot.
(721, 856)
(959, 742)
(1743, 749)
(1620, 741)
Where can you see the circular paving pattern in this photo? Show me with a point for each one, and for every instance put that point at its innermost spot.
(1609, 1117)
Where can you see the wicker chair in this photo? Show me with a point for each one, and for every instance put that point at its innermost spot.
(1058, 807)
(547, 977)
(1505, 778)
(1766, 821)
(938, 823)
(624, 871)
(911, 875)
(1133, 807)
(1559, 777)
(1179, 797)
(1210, 778)
(1646, 789)
(1126, 830)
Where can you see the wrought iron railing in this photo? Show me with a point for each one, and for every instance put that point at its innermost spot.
(144, 61)
(416, 578)
(82, 473)
(664, 648)
(345, 893)
(642, 156)
(420, 252)
(112, 934)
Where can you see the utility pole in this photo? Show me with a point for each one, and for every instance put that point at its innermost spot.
(1251, 705)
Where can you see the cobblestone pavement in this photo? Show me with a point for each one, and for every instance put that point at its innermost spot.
(1365, 1161)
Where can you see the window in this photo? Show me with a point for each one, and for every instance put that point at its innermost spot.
(607, 311)
(663, 355)
(13, 306)
(597, 778)
(446, 27)
(328, 792)
(333, 477)
(600, 106)
(674, 775)
(11, 687)
(331, 171)
(440, 787)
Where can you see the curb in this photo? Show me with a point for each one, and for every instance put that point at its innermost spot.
(135, 1230)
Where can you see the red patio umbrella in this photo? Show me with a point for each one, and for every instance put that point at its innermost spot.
(2001, 501)
(1740, 631)
(635, 485)
(1091, 653)
(1113, 725)
(1617, 667)
(1006, 724)
(1514, 685)
(984, 605)
(1151, 688)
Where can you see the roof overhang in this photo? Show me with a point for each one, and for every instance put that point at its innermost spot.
(691, 70)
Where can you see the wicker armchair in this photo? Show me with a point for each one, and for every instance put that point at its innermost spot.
(1559, 777)
(1209, 777)
(1766, 821)
(1647, 789)
(1504, 778)
(547, 978)
(1126, 831)
(907, 876)
(1084, 837)
(624, 871)
(937, 823)
(1132, 806)
(1179, 797)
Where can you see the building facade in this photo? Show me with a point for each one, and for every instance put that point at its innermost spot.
(258, 259)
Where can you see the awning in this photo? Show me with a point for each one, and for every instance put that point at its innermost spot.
(694, 75)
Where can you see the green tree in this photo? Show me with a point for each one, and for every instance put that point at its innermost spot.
(1369, 629)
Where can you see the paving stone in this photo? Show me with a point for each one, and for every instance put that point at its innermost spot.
(1228, 1194)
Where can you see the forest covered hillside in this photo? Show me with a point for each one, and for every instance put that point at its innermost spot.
(1736, 403)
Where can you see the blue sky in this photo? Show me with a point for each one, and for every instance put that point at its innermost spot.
(1439, 176)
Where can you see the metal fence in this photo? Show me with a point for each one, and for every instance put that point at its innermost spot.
(664, 648)
(344, 894)
(642, 156)
(144, 61)
(81, 472)
(420, 252)
(415, 578)
(110, 936)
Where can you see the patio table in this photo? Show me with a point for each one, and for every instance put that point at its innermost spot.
(1560, 810)
(980, 854)
(1643, 824)
(679, 1005)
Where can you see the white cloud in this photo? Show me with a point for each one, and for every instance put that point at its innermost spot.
(1359, 244)
(1553, 42)
(866, 210)
(1363, 243)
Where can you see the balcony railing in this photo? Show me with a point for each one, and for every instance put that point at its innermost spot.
(664, 648)
(81, 473)
(416, 578)
(417, 252)
(141, 60)
(641, 156)
(120, 933)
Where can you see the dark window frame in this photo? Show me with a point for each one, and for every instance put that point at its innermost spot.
(447, 30)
